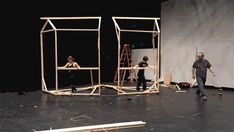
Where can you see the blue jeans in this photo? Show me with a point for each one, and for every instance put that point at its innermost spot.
(201, 85)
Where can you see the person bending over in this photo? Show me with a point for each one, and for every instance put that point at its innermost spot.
(71, 64)
(199, 71)
(141, 74)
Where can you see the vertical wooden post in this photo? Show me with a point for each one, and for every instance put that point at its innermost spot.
(42, 61)
(99, 64)
(56, 60)
(91, 77)
(159, 59)
(119, 47)
(154, 58)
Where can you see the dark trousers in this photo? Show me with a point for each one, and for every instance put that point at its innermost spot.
(141, 79)
(201, 85)
(71, 80)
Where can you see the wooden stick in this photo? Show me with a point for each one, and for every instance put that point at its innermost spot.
(123, 78)
(68, 18)
(56, 60)
(156, 22)
(159, 58)
(81, 68)
(63, 29)
(42, 60)
(44, 26)
(119, 47)
(99, 23)
(137, 18)
(99, 61)
(154, 58)
(91, 77)
(138, 31)
(45, 31)
(51, 24)
(103, 127)
(44, 84)
(116, 24)
(129, 68)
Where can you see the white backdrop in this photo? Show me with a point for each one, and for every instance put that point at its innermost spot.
(204, 24)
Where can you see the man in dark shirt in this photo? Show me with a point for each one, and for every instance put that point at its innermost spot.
(141, 74)
(200, 71)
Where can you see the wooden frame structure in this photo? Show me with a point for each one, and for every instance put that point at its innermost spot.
(155, 32)
(57, 91)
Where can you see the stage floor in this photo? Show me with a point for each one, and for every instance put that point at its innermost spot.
(167, 111)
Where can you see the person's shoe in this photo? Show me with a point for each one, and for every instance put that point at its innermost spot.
(198, 93)
(144, 89)
(73, 90)
(138, 89)
(204, 98)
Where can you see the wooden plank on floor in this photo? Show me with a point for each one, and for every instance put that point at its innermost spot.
(103, 127)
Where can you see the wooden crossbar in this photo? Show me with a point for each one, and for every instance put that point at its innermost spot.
(81, 68)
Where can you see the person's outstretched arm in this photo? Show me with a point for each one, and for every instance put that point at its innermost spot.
(211, 69)
(193, 73)
(66, 65)
(76, 65)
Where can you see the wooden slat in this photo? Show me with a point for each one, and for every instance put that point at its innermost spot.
(137, 18)
(67, 29)
(129, 68)
(82, 68)
(103, 127)
(68, 18)
(138, 31)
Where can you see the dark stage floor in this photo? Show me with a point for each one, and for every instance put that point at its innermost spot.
(168, 111)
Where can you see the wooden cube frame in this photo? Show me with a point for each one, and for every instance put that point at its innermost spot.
(57, 91)
(155, 32)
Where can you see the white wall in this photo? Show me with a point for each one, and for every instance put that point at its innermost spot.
(205, 24)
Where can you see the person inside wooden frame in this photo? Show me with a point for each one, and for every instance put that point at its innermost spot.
(71, 64)
(141, 73)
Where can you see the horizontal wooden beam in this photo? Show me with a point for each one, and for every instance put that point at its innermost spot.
(138, 31)
(103, 127)
(68, 18)
(129, 68)
(82, 68)
(61, 29)
(137, 18)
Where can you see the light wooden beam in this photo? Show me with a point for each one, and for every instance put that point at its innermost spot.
(44, 26)
(137, 18)
(103, 127)
(82, 68)
(63, 29)
(68, 18)
(51, 24)
(129, 68)
(138, 31)
(156, 22)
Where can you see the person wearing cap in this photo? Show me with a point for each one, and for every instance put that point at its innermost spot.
(199, 71)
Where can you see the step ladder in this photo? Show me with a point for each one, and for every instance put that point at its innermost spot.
(126, 61)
